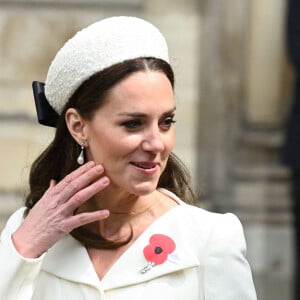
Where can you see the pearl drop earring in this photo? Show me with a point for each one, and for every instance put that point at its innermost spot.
(80, 158)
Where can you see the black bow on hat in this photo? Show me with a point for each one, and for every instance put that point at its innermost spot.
(45, 113)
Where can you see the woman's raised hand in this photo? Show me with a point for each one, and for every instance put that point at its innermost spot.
(53, 217)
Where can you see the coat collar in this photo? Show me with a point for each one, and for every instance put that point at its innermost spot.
(69, 260)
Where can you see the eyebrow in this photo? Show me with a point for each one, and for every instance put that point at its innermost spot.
(142, 115)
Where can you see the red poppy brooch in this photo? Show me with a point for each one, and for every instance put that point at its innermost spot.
(158, 250)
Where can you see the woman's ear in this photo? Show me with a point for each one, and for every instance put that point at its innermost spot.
(76, 125)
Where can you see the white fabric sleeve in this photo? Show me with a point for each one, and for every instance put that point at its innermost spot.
(227, 272)
(18, 274)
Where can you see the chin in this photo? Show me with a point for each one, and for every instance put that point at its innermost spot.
(144, 189)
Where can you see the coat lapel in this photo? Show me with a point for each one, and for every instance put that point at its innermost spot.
(69, 260)
(127, 270)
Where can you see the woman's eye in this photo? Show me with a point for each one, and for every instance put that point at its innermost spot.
(132, 124)
(167, 123)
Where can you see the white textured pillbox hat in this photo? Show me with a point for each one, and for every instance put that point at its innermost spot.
(97, 47)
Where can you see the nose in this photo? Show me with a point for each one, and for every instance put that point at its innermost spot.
(153, 141)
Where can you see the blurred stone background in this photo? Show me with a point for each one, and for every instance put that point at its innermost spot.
(233, 93)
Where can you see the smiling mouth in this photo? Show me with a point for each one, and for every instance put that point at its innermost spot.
(145, 165)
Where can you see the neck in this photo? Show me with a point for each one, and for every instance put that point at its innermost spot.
(120, 202)
(126, 211)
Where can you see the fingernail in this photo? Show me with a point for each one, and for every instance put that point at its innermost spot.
(105, 213)
(99, 168)
(104, 180)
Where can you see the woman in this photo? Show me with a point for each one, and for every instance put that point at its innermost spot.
(117, 227)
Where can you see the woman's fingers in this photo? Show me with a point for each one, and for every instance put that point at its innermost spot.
(76, 181)
(85, 218)
(52, 183)
(86, 193)
(53, 215)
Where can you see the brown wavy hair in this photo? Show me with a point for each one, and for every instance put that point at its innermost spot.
(60, 157)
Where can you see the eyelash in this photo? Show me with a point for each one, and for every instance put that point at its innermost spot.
(135, 124)
(168, 122)
(132, 124)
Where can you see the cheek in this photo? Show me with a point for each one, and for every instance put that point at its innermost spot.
(112, 147)
(170, 141)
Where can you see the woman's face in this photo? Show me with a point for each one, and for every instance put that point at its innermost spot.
(132, 134)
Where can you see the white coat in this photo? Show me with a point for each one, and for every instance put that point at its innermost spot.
(208, 263)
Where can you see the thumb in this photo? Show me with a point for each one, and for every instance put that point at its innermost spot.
(52, 183)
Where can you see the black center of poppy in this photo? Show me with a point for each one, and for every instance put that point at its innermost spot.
(158, 250)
